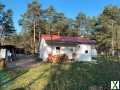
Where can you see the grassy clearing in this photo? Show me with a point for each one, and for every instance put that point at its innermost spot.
(72, 76)
(26, 79)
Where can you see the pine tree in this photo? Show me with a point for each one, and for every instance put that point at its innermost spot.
(6, 24)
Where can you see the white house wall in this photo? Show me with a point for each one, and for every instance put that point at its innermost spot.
(44, 50)
(63, 50)
(81, 54)
(79, 50)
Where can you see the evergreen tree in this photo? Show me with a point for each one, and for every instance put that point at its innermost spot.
(31, 23)
(107, 29)
(6, 24)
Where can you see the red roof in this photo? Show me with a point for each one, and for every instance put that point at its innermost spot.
(75, 39)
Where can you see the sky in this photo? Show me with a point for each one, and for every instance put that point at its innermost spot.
(69, 7)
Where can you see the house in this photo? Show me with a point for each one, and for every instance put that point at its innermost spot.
(76, 48)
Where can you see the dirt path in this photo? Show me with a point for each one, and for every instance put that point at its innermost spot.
(22, 61)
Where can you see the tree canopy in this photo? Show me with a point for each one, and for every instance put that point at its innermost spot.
(6, 23)
(103, 28)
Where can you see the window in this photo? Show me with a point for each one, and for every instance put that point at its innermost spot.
(71, 49)
(78, 46)
(57, 49)
(86, 51)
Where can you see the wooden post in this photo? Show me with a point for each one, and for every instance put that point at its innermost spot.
(117, 42)
(113, 52)
(2, 64)
(34, 31)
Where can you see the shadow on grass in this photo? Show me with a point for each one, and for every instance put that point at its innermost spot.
(84, 75)
(7, 76)
(29, 82)
(19, 89)
(37, 78)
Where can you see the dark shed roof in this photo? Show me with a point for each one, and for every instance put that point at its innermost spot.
(8, 46)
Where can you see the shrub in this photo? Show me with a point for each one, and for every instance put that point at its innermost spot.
(38, 59)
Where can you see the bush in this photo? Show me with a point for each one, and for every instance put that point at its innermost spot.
(38, 59)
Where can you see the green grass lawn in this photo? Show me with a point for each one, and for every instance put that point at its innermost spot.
(69, 76)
